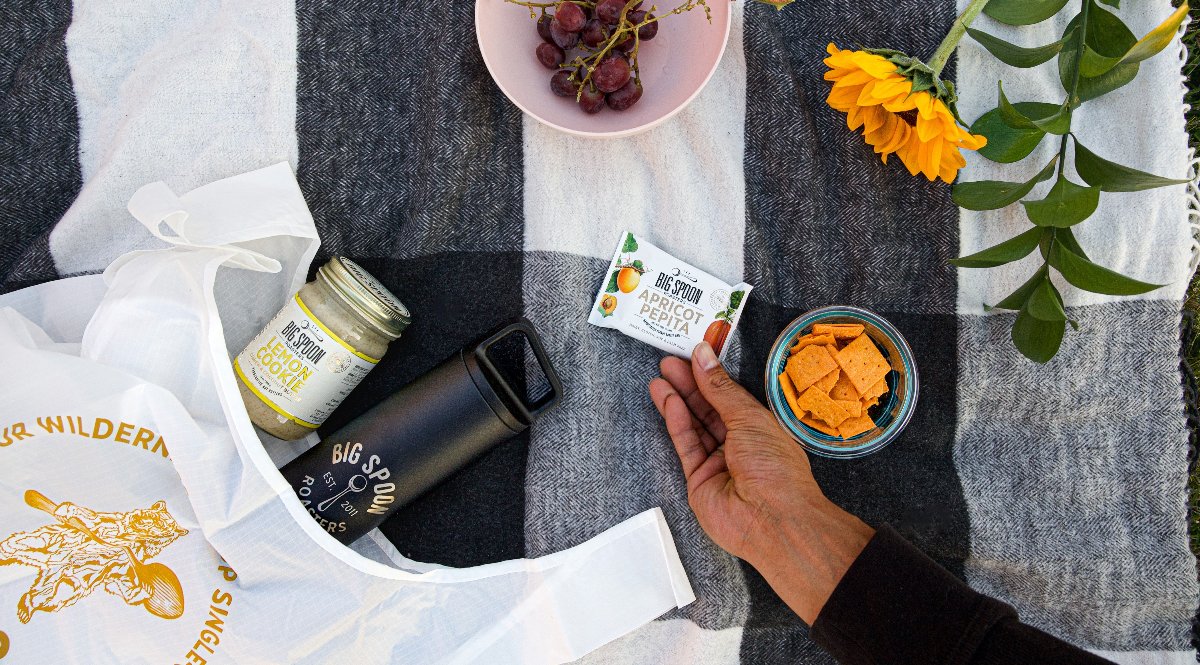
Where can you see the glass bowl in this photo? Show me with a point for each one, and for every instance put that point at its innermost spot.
(892, 413)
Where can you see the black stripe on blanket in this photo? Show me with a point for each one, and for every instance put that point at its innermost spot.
(829, 224)
(410, 160)
(39, 140)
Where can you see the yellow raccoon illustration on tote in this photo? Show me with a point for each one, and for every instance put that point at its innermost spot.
(84, 550)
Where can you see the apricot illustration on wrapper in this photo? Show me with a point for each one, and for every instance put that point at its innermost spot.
(608, 304)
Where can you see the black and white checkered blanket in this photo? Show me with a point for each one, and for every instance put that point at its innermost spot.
(1059, 488)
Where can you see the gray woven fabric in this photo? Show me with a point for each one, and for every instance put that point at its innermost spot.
(1075, 476)
(603, 455)
(39, 137)
(858, 232)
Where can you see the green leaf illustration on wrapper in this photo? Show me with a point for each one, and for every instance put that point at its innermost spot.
(718, 331)
(612, 282)
(735, 301)
(1097, 54)
(630, 245)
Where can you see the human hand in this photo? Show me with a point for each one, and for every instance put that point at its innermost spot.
(751, 485)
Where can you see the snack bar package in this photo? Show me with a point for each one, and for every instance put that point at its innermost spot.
(653, 296)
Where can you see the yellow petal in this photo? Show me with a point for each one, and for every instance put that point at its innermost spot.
(854, 118)
(873, 64)
(853, 78)
(927, 129)
(873, 118)
(933, 158)
(893, 86)
(925, 105)
(843, 98)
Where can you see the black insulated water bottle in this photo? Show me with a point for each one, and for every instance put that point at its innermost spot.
(359, 475)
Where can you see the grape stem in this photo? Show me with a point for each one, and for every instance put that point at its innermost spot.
(547, 5)
(624, 27)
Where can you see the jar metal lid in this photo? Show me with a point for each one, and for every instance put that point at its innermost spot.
(380, 307)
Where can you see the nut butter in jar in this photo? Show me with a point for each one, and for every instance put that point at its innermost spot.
(322, 343)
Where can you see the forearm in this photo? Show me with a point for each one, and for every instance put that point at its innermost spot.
(806, 549)
(874, 598)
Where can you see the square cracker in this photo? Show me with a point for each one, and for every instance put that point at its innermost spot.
(852, 406)
(790, 394)
(827, 382)
(877, 390)
(809, 340)
(839, 330)
(855, 426)
(821, 407)
(843, 389)
(808, 365)
(820, 426)
(864, 363)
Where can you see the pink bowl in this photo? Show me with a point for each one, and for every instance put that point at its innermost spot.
(675, 67)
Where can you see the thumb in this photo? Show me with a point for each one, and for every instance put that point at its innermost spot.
(729, 398)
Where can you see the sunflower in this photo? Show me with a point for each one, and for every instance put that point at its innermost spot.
(918, 125)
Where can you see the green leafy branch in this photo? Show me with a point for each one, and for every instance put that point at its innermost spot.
(1097, 54)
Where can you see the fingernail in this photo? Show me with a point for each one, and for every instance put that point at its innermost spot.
(704, 356)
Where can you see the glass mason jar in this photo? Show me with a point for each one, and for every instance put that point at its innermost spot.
(334, 331)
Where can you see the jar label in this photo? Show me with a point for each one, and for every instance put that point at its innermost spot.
(298, 367)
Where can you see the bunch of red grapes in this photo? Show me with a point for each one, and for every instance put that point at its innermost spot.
(604, 37)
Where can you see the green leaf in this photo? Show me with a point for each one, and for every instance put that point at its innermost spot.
(1066, 204)
(1036, 339)
(1057, 123)
(612, 283)
(993, 194)
(1107, 34)
(1112, 3)
(639, 266)
(1045, 303)
(1095, 278)
(1113, 177)
(1067, 238)
(1094, 64)
(1016, 299)
(735, 301)
(1147, 47)
(1113, 79)
(1005, 144)
(1013, 249)
(1108, 37)
(630, 245)
(1158, 38)
(1023, 12)
(1017, 56)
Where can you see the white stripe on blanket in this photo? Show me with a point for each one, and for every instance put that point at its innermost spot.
(1149, 657)
(1142, 234)
(178, 91)
(680, 185)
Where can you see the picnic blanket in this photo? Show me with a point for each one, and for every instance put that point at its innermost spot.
(1059, 488)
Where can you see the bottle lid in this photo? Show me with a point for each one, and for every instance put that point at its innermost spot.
(370, 299)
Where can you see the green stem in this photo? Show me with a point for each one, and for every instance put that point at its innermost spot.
(1073, 93)
(946, 49)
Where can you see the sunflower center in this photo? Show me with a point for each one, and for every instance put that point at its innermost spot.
(909, 116)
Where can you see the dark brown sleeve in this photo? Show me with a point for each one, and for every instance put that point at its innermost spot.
(895, 605)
